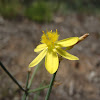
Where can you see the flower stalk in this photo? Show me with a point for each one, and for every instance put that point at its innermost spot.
(50, 87)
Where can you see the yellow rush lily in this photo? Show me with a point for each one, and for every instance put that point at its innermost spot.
(50, 48)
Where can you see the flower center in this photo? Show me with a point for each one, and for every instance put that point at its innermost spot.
(49, 38)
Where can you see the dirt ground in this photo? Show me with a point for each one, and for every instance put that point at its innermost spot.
(80, 80)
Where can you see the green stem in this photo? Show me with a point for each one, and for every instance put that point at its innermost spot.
(3, 67)
(50, 88)
(38, 93)
(26, 92)
(24, 97)
(27, 81)
(35, 70)
(38, 89)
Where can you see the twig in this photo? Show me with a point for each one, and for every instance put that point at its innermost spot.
(3, 67)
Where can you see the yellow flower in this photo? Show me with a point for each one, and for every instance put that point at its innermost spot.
(50, 48)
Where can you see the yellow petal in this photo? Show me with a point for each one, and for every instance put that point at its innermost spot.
(40, 47)
(66, 55)
(38, 58)
(51, 61)
(68, 42)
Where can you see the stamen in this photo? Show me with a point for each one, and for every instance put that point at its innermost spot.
(49, 38)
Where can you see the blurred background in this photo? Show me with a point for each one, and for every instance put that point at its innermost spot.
(21, 25)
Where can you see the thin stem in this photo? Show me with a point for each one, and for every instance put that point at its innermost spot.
(26, 92)
(3, 67)
(27, 81)
(38, 93)
(24, 97)
(50, 88)
(35, 70)
(38, 89)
